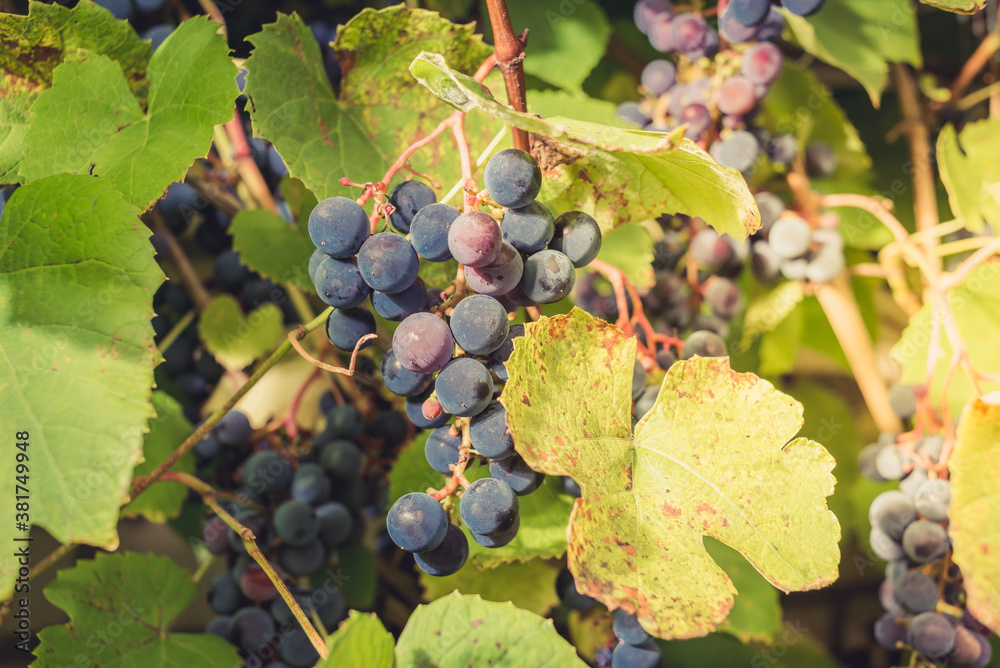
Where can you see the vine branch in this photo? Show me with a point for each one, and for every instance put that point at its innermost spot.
(510, 58)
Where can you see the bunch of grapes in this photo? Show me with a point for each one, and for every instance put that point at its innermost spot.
(450, 366)
(922, 593)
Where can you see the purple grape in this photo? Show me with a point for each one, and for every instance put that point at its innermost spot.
(512, 178)
(661, 34)
(646, 11)
(448, 557)
(408, 198)
(735, 32)
(423, 343)
(498, 277)
(736, 96)
(689, 32)
(429, 231)
(339, 282)
(400, 305)
(658, 76)
(529, 229)
(441, 449)
(489, 507)
(931, 634)
(803, 7)
(749, 12)
(338, 226)
(388, 263)
(417, 522)
(548, 277)
(474, 239)
(401, 381)
(890, 631)
(464, 387)
(630, 112)
(345, 327)
(698, 119)
(762, 63)
(738, 152)
(577, 236)
(479, 324)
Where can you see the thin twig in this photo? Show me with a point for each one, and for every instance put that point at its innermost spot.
(349, 371)
(976, 62)
(510, 59)
(458, 469)
(247, 167)
(188, 276)
(969, 264)
(176, 330)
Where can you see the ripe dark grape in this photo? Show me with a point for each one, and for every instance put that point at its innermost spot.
(213, 535)
(339, 282)
(638, 379)
(448, 557)
(658, 76)
(735, 32)
(689, 33)
(889, 463)
(338, 226)
(892, 512)
(296, 650)
(925, 542)
(499, 357)
(295, 522)
(915, 592)
(441, 449)
(890, 631)
(931, 634)
(704, 344)
(489, 433)
(464, 387)
(498, 277)
(429, 231)
(821, 160)
(267, 471)
(630, 112)
(489, 507)
(698, 119)
(515, 472)
(803, 7)
(646, 401)
(479, 324)
(646, 11)
(902, 400)
(737, 97)
(255, 584)
(789, 237)
(251, 628)
(932, 499)
(512, 178)
(646, 655)
(968, 648)
(310, 484)
(578, 236)
(304, 559)
(335, 524)
(474, 239)
(345, 327)
(400, 305)
(343, 459)
(548, 277)
(749, 12)
(724, 297)
(219, 626)
(569, 595)
(762, 63)
(224, 595)
(409, 197)
(739, 151)
(414, 412)
(571, 487)
(417, 522)
(401, 381)
(783, 149)
(529, 228)
(343, 422)
(388, 262)
(709, 249)
(233, 428)
(660, 33)
(498, 539)
(230, 273)
(883, 546)
(423, 343)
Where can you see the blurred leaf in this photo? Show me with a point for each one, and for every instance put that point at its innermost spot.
(970, 172)
(357, 567)
(235, 339)
(273, 247)
(957, 6)
(360, 642)
(756, 611)
(780, 346)
(549, 103)
(529, 585)
(630, 248)
(770, 310)
(793, 648)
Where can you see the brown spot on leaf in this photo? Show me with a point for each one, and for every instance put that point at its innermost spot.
(671, 511)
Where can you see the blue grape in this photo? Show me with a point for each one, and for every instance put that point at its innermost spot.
(802, 7)
(499, 539)
(441, 449)
(388, 262)
(401, 381)
(925, 542)
(704, 344)
(423, 343)
(408, 198)
(738, 152)
(489, 507)
(689, 32)
(515, 472)
(267, 471)
(578, 236)
(479, 324)
(342, 459)
(219, 626)
(147, 6)
(339, 282)
(646, 655)
(224, 595)
(345, 327)
(658, 76)
(698, 119)
(214, 535)
(335, 524)
(343, 422)
(498, 277)
(120, 9)
(310, 484)
(464, 387)
(499, 357)
(627, 628)
(638, 379)
(251, 628)
(256, 586)
(647, 10)
(529, 228)
(915, 592)
(548, 277)
(302, 559)
(429, 231)
(338, 226)
(417, 522)
(229, 271)
(892, 511)
(724, 297)
(569, 595)
(400, 305)
(157, 34)
(296, 649)
(233, 428)
(749, 12)
(314, 261)
(762, 63)
(513, 178)
(474, 239)
(735, 32)
(630, 112)
(821, 160)
(295, 522)
(646, 401)
(415, 413)
(931, 634)
(571, 487)
(932, 500)
(489, 433)
(448, 557)
(782, 150)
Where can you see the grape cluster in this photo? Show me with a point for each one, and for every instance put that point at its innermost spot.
(451, 367)
(303, 504)
(922, 593)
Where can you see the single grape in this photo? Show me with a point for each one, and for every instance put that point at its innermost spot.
(803, 7)
(338, 226)
(157, 34)
(224, 595)
(448, 557)
(885, 547)
(414, 412)
(826, 264)
(737, 97)
(724, 297)
(887, 597)
(932, 499)
(902, 400)
(230, 273)
(660, 33)
(310, 484)
(474, 239)
(388, 263)
(646, 11)
(912, 482)
(314, 261)
(689, 33)
(441, 449)
(423, 343)
(255, 584)
(735, 32)
(638, 379)
(515, 472)
(251, 628)
(892, 512)
(645, 655)
(489, 433)
(738, 152)
(296, 649)
(400, 305)
(548, 277)
(219, 626)
(783, 149)
(646, 401)
(704, 344)
(345, 327)
(762, 63)
(500, 539)
(512, 178)
(267, 471)
(417, 522)
(304, 559)
(464, 387)
(498, 277)
(658, 76)
(429, 231)
(931, 634)
(709, 249)
(571, 487)
(789, 237)
(749, 12)
(890, 631)
(931, 445)
(343, 459)
(408, 198)
(925, 542)
(695, 92)
(213, 535)
(578, 236)
(569, 595)
(339, 282)
(343, 422)
(233, 428)
(968, 647)
(821, 160)
(401, 381)
(889, 463)
(489, 507)
(915, 592)
(335, 524)
(698, 119)
(479, 324)
(499, 357)
(295, 522)
(529, 228)
(765, 263)
(630, 112)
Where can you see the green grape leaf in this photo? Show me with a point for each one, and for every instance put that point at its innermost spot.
(89, 122)
(459, 631)
(77, 278)
(529, 585)
(167, 430)
(970, 173)
(770, 310)
(792, 648)
(861, 38)
(35, 44)
(360, 578)
(273, 247)
(756, 612)
(957, 6)
(779, 347)
(236, 339)
(975, 469)
(695, 465)
(360, 642)
(566, 41)
(615, 174)
(560, 103)
(120, 607)
(630, 249)
(975, 312)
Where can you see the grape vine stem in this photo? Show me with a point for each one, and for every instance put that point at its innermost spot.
(185, 272)
(510, 59)
(208, 495)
